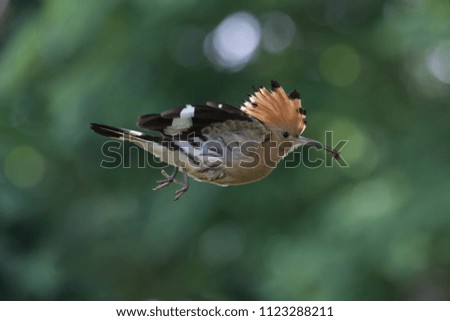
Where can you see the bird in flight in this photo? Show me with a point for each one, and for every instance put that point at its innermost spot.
(220, 144)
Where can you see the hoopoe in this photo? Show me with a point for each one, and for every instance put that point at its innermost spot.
(221, 144)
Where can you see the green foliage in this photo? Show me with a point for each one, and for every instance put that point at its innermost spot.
(375, 73)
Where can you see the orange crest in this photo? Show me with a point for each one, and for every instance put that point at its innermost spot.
(277, 109)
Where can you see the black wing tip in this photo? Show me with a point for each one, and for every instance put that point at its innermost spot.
(106, 130)
(274, 84)
(294, 95)
(98, 127)
(147, 120)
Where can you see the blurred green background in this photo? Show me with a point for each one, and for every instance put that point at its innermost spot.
(374, 72)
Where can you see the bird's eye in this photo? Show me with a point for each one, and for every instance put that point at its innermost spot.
(285, 134)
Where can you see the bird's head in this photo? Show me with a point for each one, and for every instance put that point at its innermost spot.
(283, 115)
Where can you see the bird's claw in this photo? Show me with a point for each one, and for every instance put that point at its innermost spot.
(180, 192)
(170, 179)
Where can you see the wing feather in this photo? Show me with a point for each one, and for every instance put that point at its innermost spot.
(190, 119)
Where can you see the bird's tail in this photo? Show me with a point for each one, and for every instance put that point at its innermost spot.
(162, 147)
(155, 145)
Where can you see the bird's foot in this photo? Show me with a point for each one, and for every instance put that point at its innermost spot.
(185, 187)
(170, 179)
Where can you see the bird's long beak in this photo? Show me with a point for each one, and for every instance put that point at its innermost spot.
(311, 142)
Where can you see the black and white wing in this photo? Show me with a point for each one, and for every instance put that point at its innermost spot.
(188, 121)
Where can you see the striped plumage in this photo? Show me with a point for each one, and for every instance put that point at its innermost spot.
(221, 144)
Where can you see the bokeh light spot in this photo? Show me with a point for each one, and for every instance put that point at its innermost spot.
(234, 42)
(278, 31)
(380, 196)
(40, 273)
(340, 65)
(439, 62)
(24, 167)
(373, 198)
(3, 7)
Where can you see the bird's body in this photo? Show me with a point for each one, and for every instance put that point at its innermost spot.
(221, 144)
